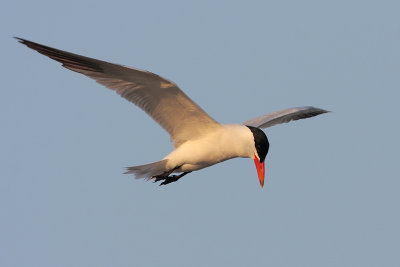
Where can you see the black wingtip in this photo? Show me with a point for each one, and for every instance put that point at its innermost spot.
(31, 44)
(19, 39)
(320, 110)
(325, 111)
(22, 40)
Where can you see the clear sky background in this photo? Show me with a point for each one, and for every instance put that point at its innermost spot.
(331, 196)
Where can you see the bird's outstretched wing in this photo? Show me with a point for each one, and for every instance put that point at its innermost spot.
(160, 98)
(283, 116)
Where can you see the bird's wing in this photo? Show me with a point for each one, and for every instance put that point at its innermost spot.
(284, 115)
(160, 98)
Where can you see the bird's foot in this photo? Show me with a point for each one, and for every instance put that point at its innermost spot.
(169, 179)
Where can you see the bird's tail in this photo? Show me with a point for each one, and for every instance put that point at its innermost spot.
(148, 170)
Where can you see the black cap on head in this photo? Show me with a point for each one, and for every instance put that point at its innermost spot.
(260, 141)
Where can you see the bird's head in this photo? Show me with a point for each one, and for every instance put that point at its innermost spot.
(261, 146)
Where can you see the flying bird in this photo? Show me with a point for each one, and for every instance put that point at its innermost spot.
(199, 140)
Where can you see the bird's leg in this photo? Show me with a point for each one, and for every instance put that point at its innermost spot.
(173, 178)
(169, 178)
(162, 176)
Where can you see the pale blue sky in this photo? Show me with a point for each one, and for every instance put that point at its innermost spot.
(331, 196)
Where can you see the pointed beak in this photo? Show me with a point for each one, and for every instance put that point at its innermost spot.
(260, 170)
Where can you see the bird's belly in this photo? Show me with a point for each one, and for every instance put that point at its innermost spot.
(196, 160)
(188, 167)
(195, 155)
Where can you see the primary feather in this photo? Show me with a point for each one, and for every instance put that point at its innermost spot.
(160, 98)
(283, 116)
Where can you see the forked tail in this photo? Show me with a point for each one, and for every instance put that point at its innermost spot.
(148, 170)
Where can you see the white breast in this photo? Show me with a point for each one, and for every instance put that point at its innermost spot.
(230, 141)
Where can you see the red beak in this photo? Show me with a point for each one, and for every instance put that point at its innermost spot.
(260, 170)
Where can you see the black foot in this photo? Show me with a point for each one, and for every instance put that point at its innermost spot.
(169, 179)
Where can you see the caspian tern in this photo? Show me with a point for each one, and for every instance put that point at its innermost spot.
(199, 140)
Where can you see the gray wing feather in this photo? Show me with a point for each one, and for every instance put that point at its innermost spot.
(160, 98)
(283, 116)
